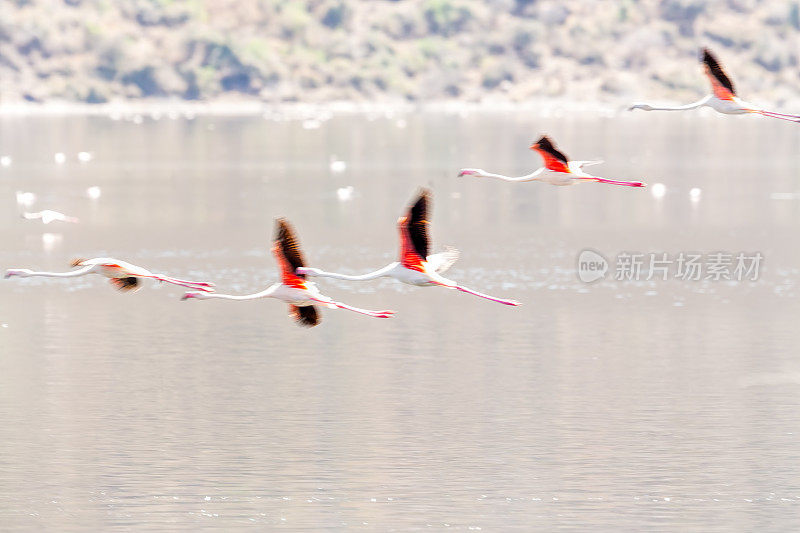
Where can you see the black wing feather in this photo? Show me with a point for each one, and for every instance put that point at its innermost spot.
(546, 145)
(716, 70)
(286, 239)
(306, 316)
(125, 284)
(418, 224)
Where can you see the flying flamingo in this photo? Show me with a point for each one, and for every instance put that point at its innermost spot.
(723, 97)
(415, 267)
(47, 216)
(557, 169)
(123, 276)
(301, 295)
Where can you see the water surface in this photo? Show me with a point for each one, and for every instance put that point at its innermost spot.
(658, 405)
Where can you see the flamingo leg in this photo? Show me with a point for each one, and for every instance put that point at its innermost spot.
(374, 314)
(190, 285)
(616, 182)
(476, 293)
(782, 116)
(486, 296)
(194, 283)
(200, 283)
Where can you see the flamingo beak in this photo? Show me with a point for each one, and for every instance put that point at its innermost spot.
(466, 172)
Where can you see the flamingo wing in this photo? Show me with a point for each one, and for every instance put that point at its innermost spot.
(129, 284)
(287, 251)
(305, 316)
(720, 82)
(554, 159)
(443, 260)
(414, 229)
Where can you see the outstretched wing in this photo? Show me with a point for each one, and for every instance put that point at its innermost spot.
(443, 260)
(305, 316)
(129, 284)
(554, 159)
(720, 82)
(287, 251)
(414, 232)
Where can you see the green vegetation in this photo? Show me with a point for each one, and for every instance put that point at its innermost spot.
(320, 50)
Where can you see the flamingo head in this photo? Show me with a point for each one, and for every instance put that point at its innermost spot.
(194, 294)
(477, 172)
(21, 272)
(644, 107)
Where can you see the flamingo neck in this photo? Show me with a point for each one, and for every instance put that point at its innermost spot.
(72, 274)
(362, 277)
(263, 294)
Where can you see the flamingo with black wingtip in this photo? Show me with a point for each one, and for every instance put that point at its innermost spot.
(122, 275)
(557, 169)
(415, 266)
(723, 97)
(294, 289)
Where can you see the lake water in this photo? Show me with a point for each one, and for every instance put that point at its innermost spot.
(618, 405)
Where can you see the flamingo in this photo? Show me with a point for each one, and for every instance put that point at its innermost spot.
(415, 267)
(301, 295)
(557, 169)
(723, 97)
(47, 216)
(123, 276)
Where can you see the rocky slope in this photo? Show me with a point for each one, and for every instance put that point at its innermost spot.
(380, 50)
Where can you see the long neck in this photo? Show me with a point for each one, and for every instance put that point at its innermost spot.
(371, 275)
(263, 294)
(527, 177)
(73, 274)
(693, 105)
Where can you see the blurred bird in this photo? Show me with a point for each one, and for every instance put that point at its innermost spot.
(557, 170)
(345, 193)
(723, 97)
(337, 166)
(415, 267)
(25, 198)
(301, 295)
(47, 216)
(123, 276)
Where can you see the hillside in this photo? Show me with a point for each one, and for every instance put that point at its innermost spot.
(409, 50)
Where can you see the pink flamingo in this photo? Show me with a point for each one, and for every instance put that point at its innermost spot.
(123, 276)
(415, 267)
(301, 295)
(723, 97)
(557, 169)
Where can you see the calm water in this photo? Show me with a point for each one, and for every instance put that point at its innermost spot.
(650, 405)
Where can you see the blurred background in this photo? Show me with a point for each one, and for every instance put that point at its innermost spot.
(620, 406)
(96, 51)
